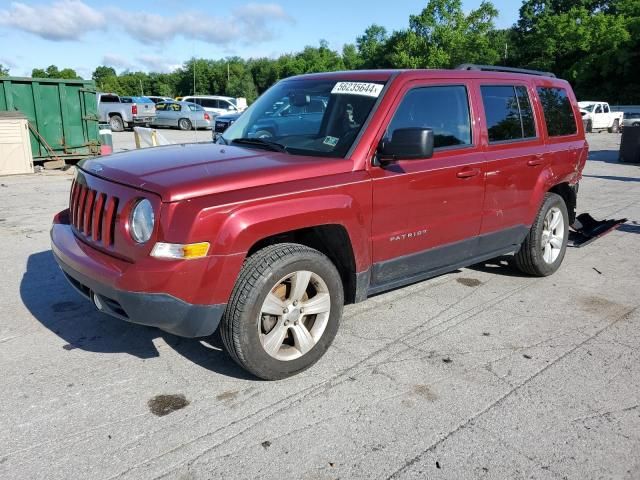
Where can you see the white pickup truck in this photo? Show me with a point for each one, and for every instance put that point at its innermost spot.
(598, 116)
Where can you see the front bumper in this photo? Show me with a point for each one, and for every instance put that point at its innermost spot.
(160, 310)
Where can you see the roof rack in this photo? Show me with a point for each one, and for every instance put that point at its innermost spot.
(497, 68)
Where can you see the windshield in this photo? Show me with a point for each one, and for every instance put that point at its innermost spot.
(588, 107)
(307, 116)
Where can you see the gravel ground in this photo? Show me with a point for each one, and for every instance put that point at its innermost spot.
(481, 373)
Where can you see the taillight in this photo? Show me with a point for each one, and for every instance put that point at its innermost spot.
(134, 109)
(206, 116)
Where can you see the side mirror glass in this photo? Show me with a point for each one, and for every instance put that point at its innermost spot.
(407, 144)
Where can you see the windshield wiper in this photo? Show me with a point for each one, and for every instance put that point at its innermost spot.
(261, 142)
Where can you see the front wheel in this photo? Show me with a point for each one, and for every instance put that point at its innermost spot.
(543, 249)
(284, 311)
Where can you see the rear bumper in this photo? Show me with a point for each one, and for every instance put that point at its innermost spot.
(100, 277)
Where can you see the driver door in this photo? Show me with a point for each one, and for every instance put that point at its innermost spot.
(427, 212)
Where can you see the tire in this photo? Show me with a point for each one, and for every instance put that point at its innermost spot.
(184, 124)
(615, 128)
(245, 327)
(533, 257)
(264, 134)
(116, 123)
(589, 126)
(636, 124)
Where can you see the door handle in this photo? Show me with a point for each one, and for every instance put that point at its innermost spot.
(536, 160)
(468, 173)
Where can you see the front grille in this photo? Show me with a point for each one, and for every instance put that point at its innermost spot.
(93, 214)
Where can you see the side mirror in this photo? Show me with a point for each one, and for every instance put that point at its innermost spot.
(407, 144)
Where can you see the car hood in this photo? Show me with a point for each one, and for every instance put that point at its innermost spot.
(178, 172)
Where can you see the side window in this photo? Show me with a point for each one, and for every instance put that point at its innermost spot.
(444, 109)
(508, 112)
(606, 108)
(161, 106)
(599, 109)
(558, 113)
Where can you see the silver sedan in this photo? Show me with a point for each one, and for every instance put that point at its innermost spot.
(184, 115)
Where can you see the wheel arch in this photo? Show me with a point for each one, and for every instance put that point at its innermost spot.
(570, 196)
(330, 239)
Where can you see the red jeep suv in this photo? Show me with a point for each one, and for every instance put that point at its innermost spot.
(267, 233)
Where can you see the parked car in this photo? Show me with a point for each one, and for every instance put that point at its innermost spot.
(223, 122)
(215, 104)
(157, 99)
(288, 119)
(268, 238)
(631, 119)
(124, 112)
(598, 116)
(183, 115)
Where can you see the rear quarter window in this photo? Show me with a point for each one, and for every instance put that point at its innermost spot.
(558, 113)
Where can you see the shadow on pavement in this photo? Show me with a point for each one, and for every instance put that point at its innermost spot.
(611, 177)
(57, 306)
(499, 266)
(629, 228)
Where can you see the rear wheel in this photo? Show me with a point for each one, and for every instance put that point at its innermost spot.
(116, 123)
(615, 128)
(184, 124)
(284, 311)
(543, 250)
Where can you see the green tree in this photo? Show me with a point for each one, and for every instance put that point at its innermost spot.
(372, 46)
(4, 72)
(101, 74)
(443, 36)
(351, 58)
(594, 45)
(52, 71)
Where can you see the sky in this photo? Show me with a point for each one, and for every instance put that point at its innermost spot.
(159, 35)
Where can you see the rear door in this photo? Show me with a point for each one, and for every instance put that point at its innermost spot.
(516, 156)
(427, 212)
(161, 114)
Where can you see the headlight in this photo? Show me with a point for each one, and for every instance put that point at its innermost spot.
(142, 220)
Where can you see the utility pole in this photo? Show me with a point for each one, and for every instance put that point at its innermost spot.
(194, 75)
(141, 89)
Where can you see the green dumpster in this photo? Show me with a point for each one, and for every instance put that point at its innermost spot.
(63, 115)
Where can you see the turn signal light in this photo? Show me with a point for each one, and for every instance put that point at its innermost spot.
(180, 251)
(207, 117)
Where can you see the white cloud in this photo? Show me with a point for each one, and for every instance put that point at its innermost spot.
(62, 20)
(7, 62)
(256, 20)
(158, 63)
(117, 61)
(71, 19)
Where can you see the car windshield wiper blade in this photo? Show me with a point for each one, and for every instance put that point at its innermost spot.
(261, 142)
